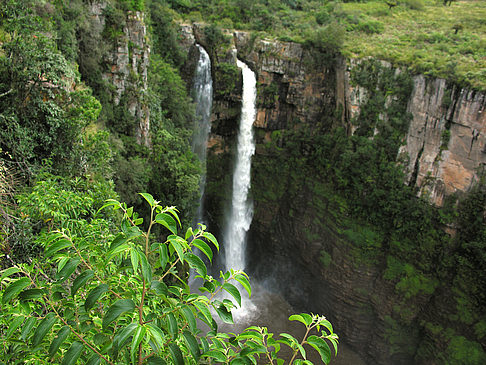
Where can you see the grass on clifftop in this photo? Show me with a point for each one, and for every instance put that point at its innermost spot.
(425, 35)
(437, 40)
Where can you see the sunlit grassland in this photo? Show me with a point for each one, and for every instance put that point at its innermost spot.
(426, 39)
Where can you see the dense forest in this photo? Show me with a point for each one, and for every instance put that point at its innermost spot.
(96, 108)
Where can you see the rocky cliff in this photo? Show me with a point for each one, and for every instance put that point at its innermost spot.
(128, 60)
(296, 233)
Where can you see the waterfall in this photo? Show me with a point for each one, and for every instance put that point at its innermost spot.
(241, 208)
(203, 97)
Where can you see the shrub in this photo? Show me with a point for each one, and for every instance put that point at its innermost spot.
(120, 297)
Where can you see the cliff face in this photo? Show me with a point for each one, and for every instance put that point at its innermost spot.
(294, 233)
(128, 61)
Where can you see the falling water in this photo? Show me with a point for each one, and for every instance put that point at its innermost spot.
(241, 208)
(203, 97)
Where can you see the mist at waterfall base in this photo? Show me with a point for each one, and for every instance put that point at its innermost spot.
(267, 306)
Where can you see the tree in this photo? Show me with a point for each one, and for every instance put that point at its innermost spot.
(120, 297)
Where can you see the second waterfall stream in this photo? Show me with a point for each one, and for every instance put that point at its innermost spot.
(241, 213)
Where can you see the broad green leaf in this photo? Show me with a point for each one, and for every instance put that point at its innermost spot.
(146, 268)
(189, 316)
(134, 258)
(57, 246)
(14, 289)
(119, 240)
(122, 248)
(224, 314)
(173, 211)
(324, 322)
(156, 334)
(302, 351)
(155, 360)
(94, 295)
(14, 325)
(149, 198)
(334, 344)
(177, 246)
(8, 272)
(204, 247)
(58, 340)
(192, 345)
(116, 310)
(176, 354)
(211, 238)
(43, 328)
(204, 344)
(215, 354)
(121, 338)
(137, 338)
(29, 294)
(164, 256)
(235, 293)
(27, 328)
(196, 263)
(322, 347)
(303, 318)
(72, 355)
(159, 287)
(67, 270)
(80, 281)
(167, 221)
(109, 203)
(188, 234)
(94, 360)
(243, 280)
(206, 314)
(172, 325)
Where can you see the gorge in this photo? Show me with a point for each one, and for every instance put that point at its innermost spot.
(299, 229)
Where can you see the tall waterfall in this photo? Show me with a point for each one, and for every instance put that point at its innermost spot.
(203, 97)
(241, 208)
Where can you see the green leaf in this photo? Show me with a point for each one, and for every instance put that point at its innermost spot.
(303, 318)
(134, 258)
(94, 360)
(155, 360)
(80, 281)
(8, 272)
(196, 263)
(14, 325)
(116, 310)
(119, 240)
(72, 355)
(172, 325)
(177, 246)
(146, 268)
(159, 287)
(206, 314)
(117, 250)
(235, 293)
(167, 221)
(67, 270)
(243, 280)
(14, 289)
(211, 238)
(157, 335)
(192, 345)
(137, 338)
(224, 314)
(301, 349)
(204, 247)
(164, 256)
(27, 328)
(121, 338)
(149, 198)
(57, 246)
(176, 354)
(29, 294)
(58, 340)
(322, 347)
(94, 295)
(109, 203)
(189, 317)
(324, 322)
(216, 354)
(43, 328)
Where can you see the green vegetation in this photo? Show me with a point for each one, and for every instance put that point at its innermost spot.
(104, 289)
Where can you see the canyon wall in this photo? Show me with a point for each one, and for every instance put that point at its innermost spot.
(295, 236)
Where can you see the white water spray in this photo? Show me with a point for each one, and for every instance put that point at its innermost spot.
(203, 97)
(241, 208)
